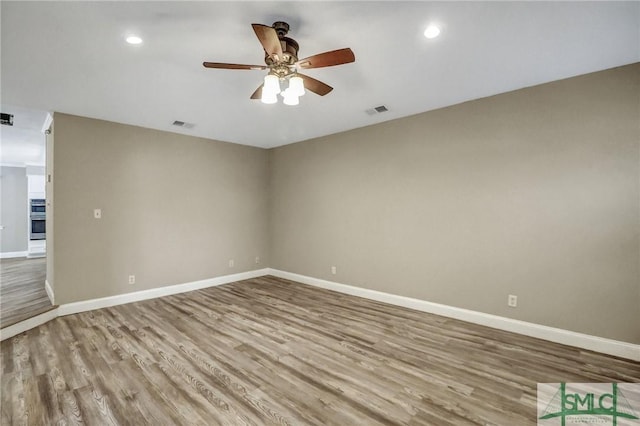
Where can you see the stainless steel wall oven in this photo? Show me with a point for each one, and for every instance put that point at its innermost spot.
(37, 216)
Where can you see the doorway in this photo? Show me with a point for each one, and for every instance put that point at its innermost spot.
(24, 292)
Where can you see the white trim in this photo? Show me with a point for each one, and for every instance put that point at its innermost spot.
(6, 164)
(120, 299)
(12, 254)
(566, 337)
(557, 335)
(28, 324)
(47, 122)
(36, 255)
(49, 290)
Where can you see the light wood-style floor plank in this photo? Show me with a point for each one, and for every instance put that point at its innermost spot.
(271, 351)
(22, 293)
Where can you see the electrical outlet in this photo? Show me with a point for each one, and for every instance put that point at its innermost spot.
(334, 270)
(231, 263)
(97, 213)
(257, 260)
(512, 301)
(132, 279)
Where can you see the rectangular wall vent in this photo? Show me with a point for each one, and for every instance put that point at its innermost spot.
(377, 110)
(184, 124)
(6, 119)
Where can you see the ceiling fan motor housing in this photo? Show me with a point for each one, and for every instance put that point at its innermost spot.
(282, 28)
(289, 52)
(289, 46)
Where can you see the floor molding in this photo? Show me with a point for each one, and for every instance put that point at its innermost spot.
(36, 254)
(557, 335)
(49, 290)
(120, 299)
(552, 334)
(12, 254)
(28, 324)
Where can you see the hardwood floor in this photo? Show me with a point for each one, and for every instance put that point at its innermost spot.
(22, 293)
(270, 351)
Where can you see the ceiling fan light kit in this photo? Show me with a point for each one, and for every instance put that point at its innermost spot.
(269, 98)
(296, 85)
(271, 85)
(291, 100)
(271, 88)
(281, 59)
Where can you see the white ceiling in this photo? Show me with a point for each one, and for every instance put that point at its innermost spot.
(23, 144)
(71, 57)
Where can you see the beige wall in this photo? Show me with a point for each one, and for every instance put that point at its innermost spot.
(175, 208)
(533, 193)
(14, 210)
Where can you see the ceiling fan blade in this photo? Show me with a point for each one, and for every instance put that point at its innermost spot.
(233, 66)
(258, 93)
(269, 40)
(315, 86)
(327, 59)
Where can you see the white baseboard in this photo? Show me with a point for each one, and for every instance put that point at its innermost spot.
(571, 338)
(12, 254)
(36, 255)
(105, 302)
(28, 324)
(49, 290)
(120, 299)
(557, 335)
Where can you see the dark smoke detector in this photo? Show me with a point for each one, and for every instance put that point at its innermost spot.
(6, 119)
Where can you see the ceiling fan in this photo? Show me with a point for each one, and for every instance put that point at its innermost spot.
(281, 59)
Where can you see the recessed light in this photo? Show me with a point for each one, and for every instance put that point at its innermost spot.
(134, 40)
(432, 31)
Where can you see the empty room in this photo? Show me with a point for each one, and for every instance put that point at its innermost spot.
(320, 213)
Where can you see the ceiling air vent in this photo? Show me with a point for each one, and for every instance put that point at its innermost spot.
(6, 119)
(179, 123)
(377, 110)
